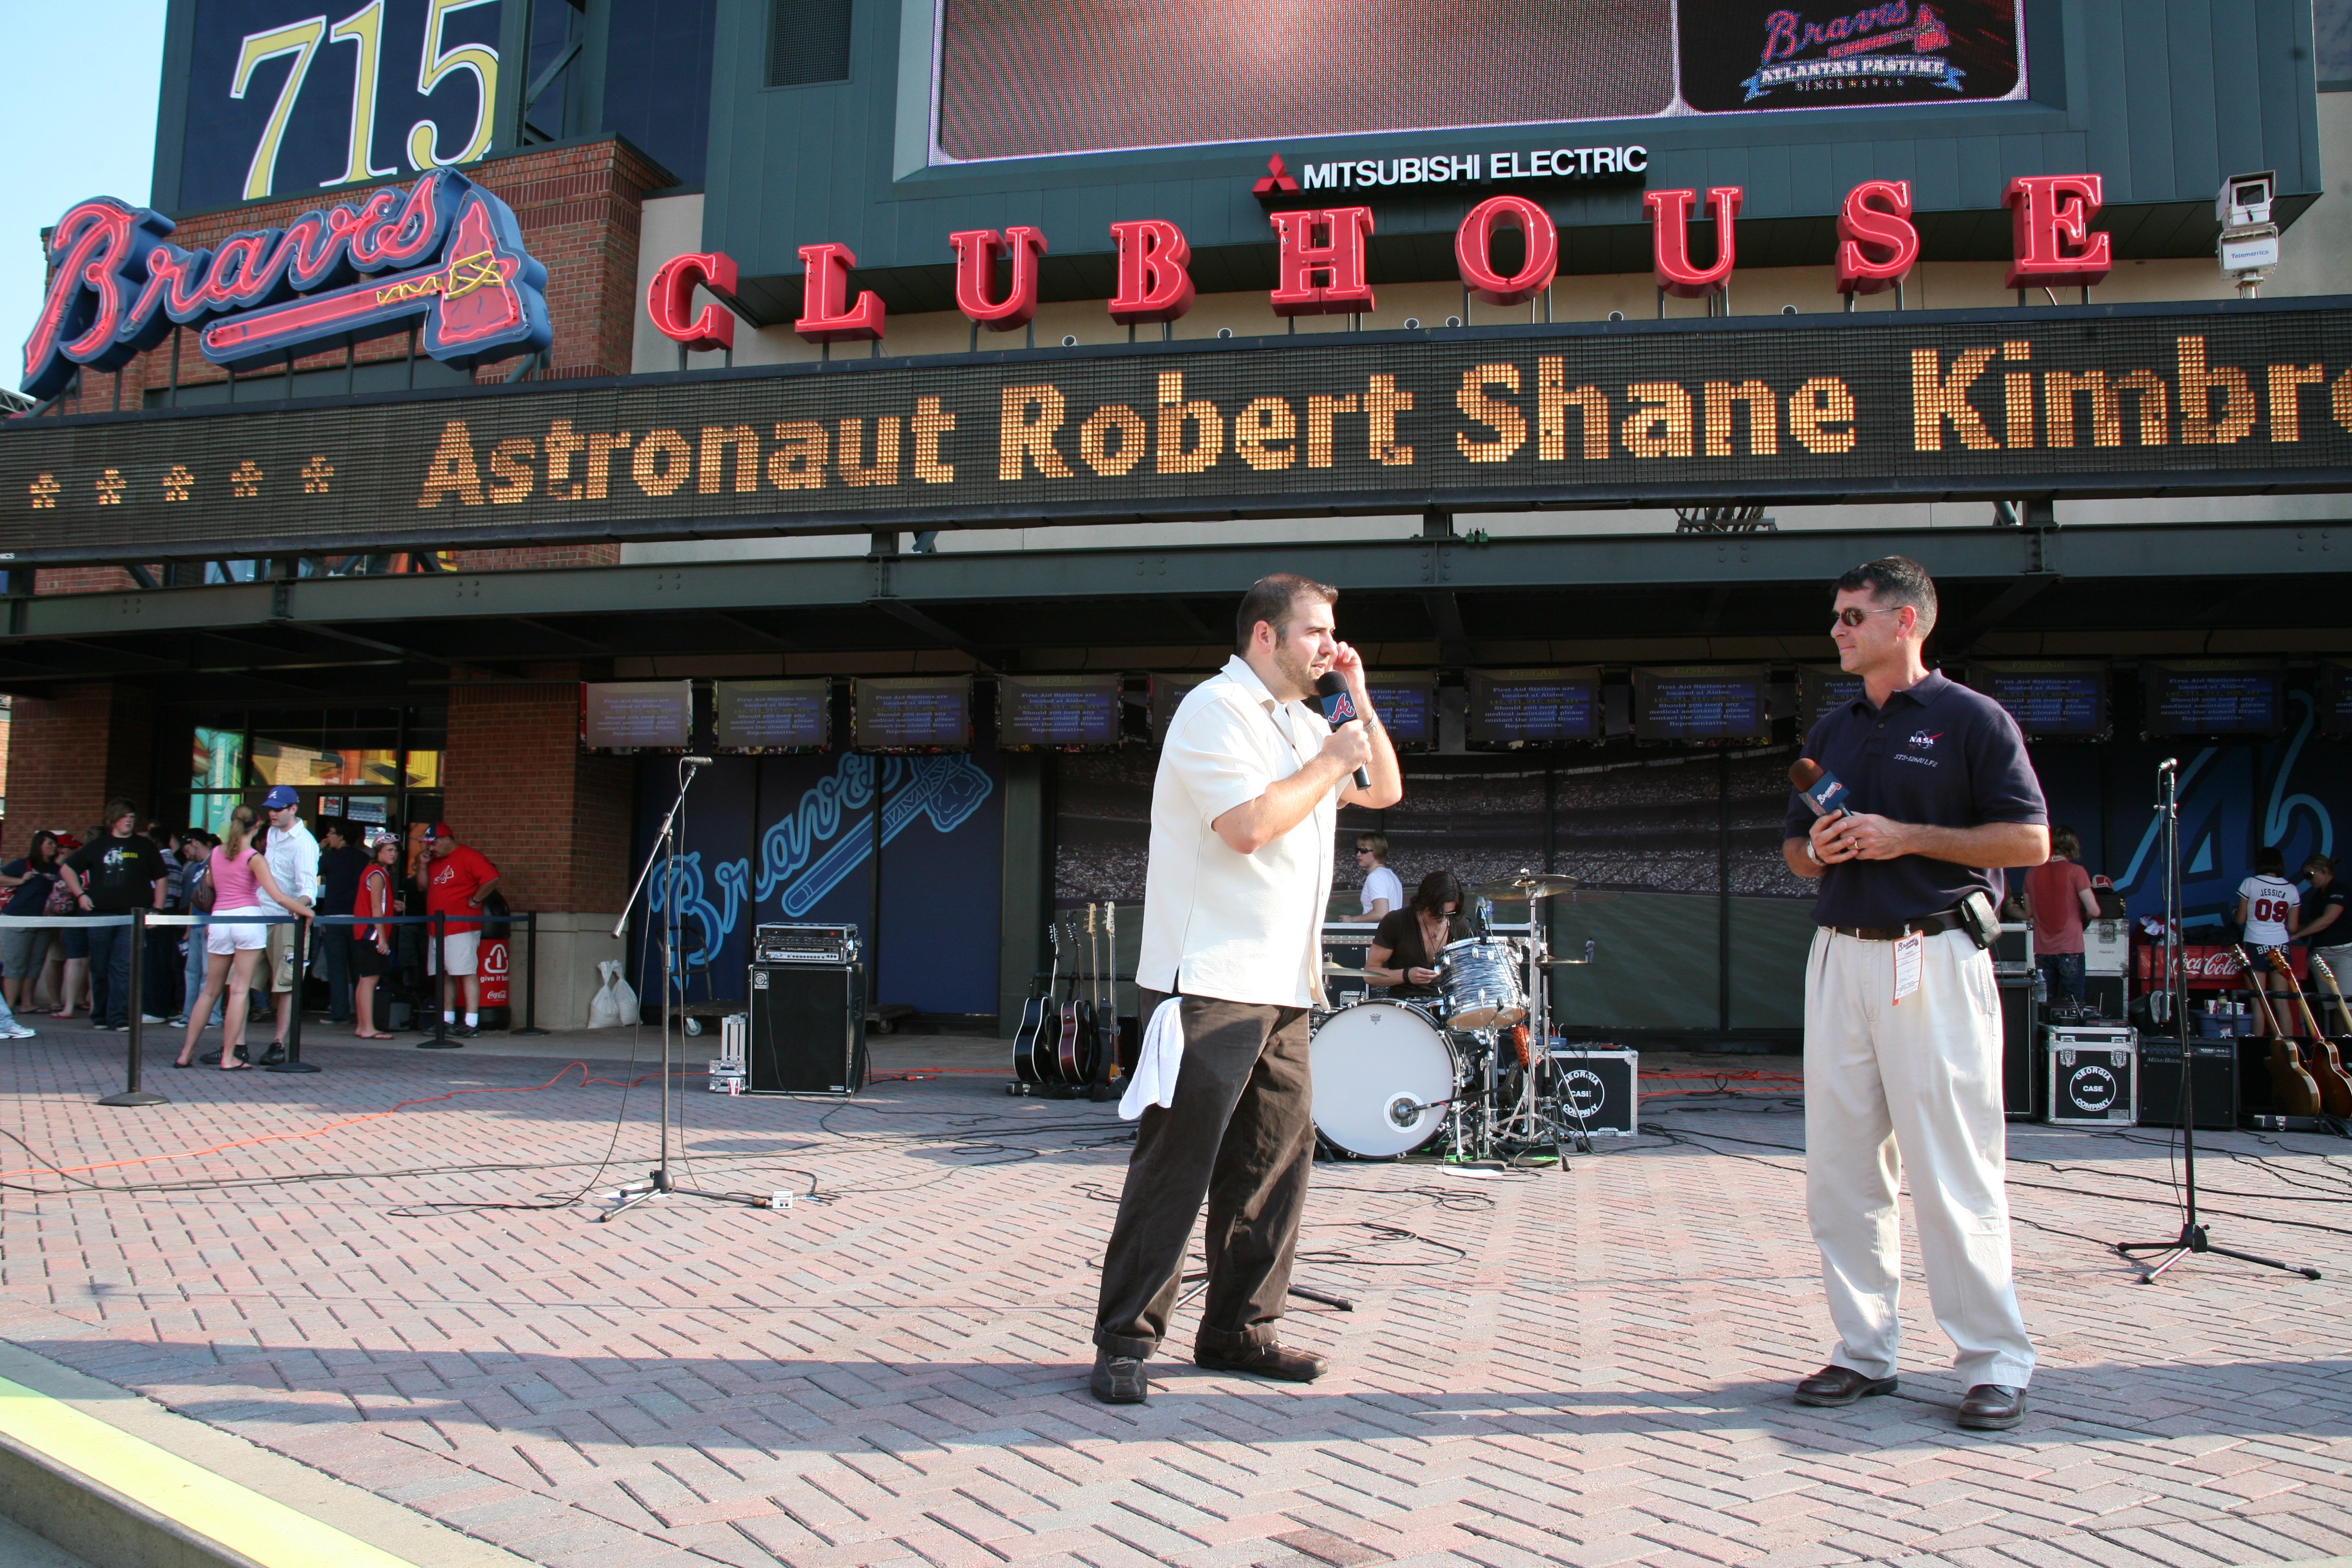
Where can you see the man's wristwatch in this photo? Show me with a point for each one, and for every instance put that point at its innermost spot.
(1811, 854)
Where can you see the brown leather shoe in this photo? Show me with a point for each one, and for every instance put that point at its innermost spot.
(1836, 1386)
(1265, 1361)
(1118, 1379)
(1992, 1408)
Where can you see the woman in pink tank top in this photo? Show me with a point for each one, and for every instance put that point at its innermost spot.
(239, 876)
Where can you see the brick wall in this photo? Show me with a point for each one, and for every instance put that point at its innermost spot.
(71, 752)
(516, 787)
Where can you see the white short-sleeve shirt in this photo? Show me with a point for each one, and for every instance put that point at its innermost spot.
(1382, 883)
(2271, 903)
(1241, 927)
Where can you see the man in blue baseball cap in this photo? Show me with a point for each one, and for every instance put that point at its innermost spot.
(293, 856)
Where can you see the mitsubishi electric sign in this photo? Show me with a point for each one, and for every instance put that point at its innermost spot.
(1510, 164)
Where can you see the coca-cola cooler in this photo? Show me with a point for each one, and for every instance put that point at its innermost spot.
(495, 961)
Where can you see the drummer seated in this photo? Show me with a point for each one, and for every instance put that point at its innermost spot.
(1404, 952)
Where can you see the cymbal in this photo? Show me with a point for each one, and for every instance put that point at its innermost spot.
(1329, 968)
(1527, 885)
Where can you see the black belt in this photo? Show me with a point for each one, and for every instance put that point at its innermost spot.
(1926, 925)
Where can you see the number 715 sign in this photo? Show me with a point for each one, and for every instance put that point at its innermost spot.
(282, 100)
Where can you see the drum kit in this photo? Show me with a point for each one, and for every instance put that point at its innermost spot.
(1469, 1075)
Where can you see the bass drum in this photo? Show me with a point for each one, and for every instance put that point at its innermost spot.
(1384, 1072)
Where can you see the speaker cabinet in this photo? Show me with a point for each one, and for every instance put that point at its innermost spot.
(2023, 1094)
(2216, 1067)
(808, 1030)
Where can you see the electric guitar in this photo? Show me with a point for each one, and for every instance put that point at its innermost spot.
(1112, 1072)
(1066, 1037)
(1029, 1041)
(2318, 1051)
(2294, 1092)
(1077, 1052)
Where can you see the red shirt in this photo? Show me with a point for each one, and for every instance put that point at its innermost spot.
(374, 898)
(453, 879)
(2054, 891)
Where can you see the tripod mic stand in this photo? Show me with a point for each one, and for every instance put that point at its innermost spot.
(2193, 1236)
(658, 1180)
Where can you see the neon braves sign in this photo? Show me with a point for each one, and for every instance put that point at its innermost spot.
(443, 250)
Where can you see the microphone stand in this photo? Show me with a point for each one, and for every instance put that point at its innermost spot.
(2193, 1236)
(658, 1180)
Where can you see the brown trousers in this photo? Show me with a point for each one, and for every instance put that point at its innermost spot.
(1241, 1136)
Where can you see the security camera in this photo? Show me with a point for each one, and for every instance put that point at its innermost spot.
(2245, 200)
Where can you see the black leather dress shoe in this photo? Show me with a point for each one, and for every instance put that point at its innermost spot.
(1119, 1380)
(275, 1054)
(1992, 1407)
(1265, 1361)
(1835, 1386)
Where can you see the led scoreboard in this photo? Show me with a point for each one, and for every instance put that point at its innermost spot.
(1513, 708)
(631, 715)
(2215, 696)
(912, 713)
(2048, 697)
(1407, 705)
(1703, 702)
(1068, 712)
(1820, 688)
(772, 715)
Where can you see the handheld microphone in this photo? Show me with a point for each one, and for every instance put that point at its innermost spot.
(1818, 787)
(1333, 693)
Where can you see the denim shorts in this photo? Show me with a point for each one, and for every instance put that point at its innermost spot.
(76, 942)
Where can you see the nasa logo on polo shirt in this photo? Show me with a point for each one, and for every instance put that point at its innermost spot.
(1920, 741)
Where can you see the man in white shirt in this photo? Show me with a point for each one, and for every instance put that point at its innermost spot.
(1245, 815)
(1383, 892)
(293, 856)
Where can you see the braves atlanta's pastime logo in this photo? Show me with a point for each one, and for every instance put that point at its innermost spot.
(1886, 43)
(443, 250)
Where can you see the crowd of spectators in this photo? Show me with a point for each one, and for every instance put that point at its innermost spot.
(270, 863)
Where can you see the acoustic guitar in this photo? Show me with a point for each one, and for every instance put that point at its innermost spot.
(1068, 1038)
(2294, 1092)
(1076, 1056)
(2319, 1055)
(1030, 1041)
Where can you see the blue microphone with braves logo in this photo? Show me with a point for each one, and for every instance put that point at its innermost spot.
(1338, 710)
(1818, 787)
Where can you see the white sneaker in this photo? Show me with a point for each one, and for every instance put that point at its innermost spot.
(149, 1018)
(17, 1032)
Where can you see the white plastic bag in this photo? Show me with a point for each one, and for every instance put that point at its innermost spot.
(625, 997)
(604, 1013)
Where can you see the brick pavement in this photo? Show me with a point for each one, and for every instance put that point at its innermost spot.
(1587, 1369)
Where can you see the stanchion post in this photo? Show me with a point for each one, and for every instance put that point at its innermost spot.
(531, 968)
(133, 1094)
(294, 1062)
(437, 979)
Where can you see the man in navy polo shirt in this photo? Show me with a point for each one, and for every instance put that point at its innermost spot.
(1902, 1017)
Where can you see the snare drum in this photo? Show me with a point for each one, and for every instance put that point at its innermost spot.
(1384, 1075)
(1479, 978)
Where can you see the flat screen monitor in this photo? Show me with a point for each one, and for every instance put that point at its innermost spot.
(1820, 688)
(773, 715)
(629, 715)
(2055, 697)
(1168, 691)
(1534, 707)
(1040, 712)
(1703, 702)
(2335, 697)
(1407, 705)
(912, 712)
(2215, 696)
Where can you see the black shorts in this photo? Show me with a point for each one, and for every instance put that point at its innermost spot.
(365, 960)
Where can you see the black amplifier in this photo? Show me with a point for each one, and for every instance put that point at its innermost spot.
(808, 1030)
(805, 944)
(2215, 1081)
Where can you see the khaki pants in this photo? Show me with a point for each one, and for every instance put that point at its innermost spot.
(1241, 1136)
(1917, 1088)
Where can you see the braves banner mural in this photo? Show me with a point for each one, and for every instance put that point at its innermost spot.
(444, 255)
(792, 838)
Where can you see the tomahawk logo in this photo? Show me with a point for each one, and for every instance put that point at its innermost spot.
(444, 254)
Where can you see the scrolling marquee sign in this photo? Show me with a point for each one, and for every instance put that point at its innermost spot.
(2109, 400)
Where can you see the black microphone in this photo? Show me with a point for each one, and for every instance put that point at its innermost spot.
(1338, 710)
